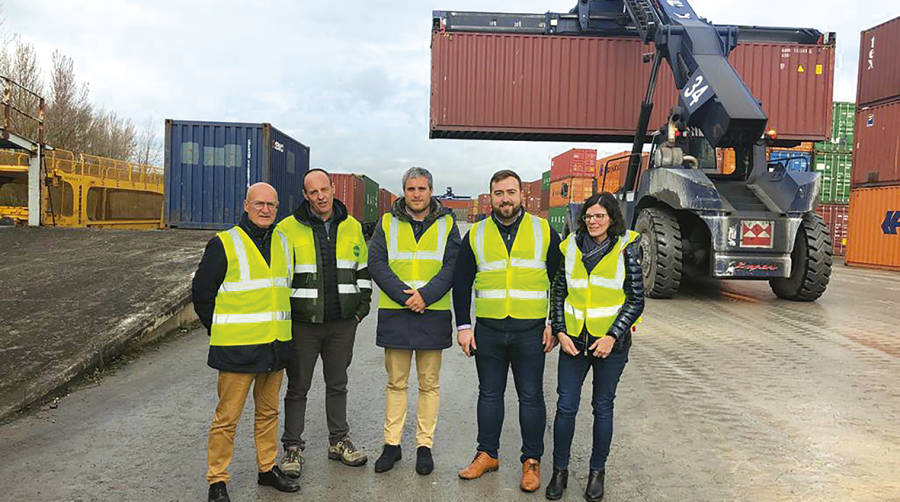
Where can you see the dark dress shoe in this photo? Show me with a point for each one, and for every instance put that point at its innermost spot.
(424, 460)
(558, 484)
(218, 492)
(389, 455)
(593, 492)
(278, 480)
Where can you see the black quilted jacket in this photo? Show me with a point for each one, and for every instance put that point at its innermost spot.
(628, 315)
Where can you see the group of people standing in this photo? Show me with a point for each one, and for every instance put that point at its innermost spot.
(279, 297)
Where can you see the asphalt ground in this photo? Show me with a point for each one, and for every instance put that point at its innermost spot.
(729, 394)
(68, 296)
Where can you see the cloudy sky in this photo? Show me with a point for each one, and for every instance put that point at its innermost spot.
(350, 79)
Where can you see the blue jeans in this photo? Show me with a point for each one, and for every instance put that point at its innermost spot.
(524, 351)
(572, 372)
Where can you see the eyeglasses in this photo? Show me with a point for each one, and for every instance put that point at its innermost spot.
(259, 205)
(598, 217)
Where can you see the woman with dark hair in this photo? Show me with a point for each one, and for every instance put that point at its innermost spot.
(595, 301)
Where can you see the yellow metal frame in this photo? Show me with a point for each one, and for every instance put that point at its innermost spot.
(82, 172)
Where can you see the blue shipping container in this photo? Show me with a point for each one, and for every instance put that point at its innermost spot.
(209, 166)
(792, 160)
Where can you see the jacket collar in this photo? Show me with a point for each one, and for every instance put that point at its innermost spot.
(252, 230)
(398, 210)
(304, 213)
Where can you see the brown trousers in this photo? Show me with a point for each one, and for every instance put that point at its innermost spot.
(233, 389)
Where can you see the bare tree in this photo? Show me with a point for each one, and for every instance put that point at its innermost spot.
(20, 64)
(149, 146)
(69, 113)
(111, 136)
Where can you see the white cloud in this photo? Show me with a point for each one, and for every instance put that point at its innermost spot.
(349, 79)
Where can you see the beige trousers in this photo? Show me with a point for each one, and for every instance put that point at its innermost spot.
(233, 389)
(397, 362)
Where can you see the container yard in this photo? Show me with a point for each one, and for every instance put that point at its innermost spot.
(764, 184)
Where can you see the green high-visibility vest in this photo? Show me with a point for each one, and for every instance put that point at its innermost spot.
(415, 262)
(352, 257)
(253, 303)
(594, 299)
(515, 283)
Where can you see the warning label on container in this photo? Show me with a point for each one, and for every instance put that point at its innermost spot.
(800, 68)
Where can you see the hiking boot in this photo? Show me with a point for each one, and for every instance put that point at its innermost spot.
(292, 462)
(344, 451)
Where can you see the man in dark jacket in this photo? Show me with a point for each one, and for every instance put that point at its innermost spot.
(412, 255)
(330, 294)
(240, 292)
(510, 259)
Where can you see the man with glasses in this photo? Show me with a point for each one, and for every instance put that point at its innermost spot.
(330, 294)
(241, 294)
(509, 259)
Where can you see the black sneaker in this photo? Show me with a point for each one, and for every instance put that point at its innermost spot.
(424, 460)
(389, 455)
(218, 492)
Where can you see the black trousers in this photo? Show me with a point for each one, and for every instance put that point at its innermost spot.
(333, 341)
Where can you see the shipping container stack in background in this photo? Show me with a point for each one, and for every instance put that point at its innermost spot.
(574, 163)
(385, 201)
(370, 200)
(484, 205)
(873, 237)
(351, 190)
(461, 207)
(209, 165)
(798, 158)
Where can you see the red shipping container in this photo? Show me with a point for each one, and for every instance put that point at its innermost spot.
(351, 190)
(836, 218)
(384, 201)
(878, 78)
(873, 236)
(555, 88)
(574, 163)
(876, 158)
(545, 198)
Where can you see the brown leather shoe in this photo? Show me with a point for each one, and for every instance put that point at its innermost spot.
(481, 464)
(531, 475)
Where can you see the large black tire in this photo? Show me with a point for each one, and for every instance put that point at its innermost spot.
(810, 262)
(661, 255)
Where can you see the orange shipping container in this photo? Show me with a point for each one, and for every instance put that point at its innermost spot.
(569, 190)
(873, 236)
(616, 166)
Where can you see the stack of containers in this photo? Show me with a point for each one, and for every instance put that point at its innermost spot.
(545, 195)
(484, 205)
(370, 200)
(798, 158)
(531, 196)
(461, 208)
(571, 180)
(833, 160)
(874, 227)
(385, 200)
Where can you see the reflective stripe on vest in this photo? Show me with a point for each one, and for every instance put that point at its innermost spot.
(511, 283)
(351, 255)
(415, 262)
(253, 303)
(594, 299)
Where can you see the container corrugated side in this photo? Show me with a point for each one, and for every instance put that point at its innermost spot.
(569, 190)
(878, 77)
(545, 180)
(834, 176)
(575, 162)
(836, 218)
(557, 217)
(537, 87)
(843, 119)
(384, 201)
(370, 199)
(351, 190)
(209, 165)
(876, 158)
(873, 237)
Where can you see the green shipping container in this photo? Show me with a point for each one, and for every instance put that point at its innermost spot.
(834, 169)
(557, 218)
(545, 181)
(843, 119)
(370, 206)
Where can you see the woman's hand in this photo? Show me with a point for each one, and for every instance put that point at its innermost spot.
(566, 344)
(602, 346)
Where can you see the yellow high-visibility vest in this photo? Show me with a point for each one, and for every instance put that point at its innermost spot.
(253, 303)
(351, 253)
(515, 283)
(415, 262)
(594, 299)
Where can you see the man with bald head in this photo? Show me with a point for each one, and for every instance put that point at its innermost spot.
(241, 292)
(330, 294)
